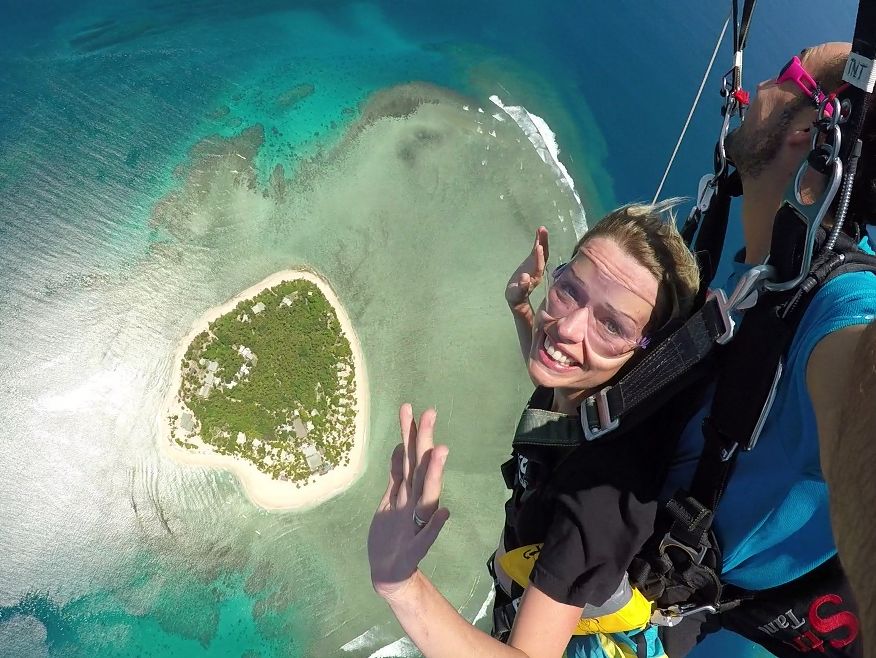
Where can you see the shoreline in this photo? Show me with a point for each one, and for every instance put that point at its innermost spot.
(261, 489)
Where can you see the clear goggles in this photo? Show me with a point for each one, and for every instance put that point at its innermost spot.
(609, 333)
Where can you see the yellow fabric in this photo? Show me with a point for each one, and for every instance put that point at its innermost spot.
(614, 649)
(633, 616)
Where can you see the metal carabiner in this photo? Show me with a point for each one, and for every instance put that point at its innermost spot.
(674, 614)
(832, 133)
(810, 215)
(731, 106)
(705, 192)
(720, 150)
(744, 296)
(596, 416)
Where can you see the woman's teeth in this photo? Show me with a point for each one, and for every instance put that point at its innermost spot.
(555, 354)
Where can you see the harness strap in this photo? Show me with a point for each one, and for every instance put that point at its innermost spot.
(740, 37)
(658, 374)
(709, 243)
(683, 565)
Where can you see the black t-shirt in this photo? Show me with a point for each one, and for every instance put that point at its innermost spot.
(593, 507)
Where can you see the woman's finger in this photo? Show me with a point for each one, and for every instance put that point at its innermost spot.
(524, 284)
(408, 430)
(409, 438)
(541, 251)
(396, 467)
(427, 536)
(543, 239)
(425, 432)
(433, 479)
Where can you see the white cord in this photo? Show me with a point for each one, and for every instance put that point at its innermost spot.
(692, 110)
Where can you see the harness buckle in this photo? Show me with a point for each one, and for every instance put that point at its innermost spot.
(705, 192)
(669, 542)
(743, 296)
(810, 215)
(596, 416)
(674, 614)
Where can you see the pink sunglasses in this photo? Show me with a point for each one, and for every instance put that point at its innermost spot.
(794, 72)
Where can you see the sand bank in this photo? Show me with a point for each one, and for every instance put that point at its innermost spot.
(263, 490)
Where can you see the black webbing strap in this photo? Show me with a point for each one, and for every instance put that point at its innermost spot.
(740, 35)
(790, 239)
(709, 243)
(658, 371)
(858, 72)
(745, 23)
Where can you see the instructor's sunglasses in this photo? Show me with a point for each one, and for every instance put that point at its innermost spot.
(795, 72)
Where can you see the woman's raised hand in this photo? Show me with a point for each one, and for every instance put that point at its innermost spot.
(527, 277)
(408, 519)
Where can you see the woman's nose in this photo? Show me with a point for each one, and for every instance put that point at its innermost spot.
(573, 327)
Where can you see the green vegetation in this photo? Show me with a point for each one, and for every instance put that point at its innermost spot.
(273, 382)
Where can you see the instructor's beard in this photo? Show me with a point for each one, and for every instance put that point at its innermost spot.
(753, 150)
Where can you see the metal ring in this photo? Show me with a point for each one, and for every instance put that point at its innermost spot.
(418, 521)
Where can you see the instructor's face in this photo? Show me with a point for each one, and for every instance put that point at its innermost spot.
(755, 144)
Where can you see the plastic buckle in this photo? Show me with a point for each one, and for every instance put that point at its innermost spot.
(720, 298)
(669, 542)
(673, 615)
(596, 417)
(744, 296)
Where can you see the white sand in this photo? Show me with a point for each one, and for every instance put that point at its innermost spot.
(263, 490)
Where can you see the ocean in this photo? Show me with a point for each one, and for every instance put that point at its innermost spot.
(157, 157)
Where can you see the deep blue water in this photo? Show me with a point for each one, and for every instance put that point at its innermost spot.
(99, 101)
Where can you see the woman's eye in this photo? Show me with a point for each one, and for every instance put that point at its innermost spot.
(612, 327)
(567, 292)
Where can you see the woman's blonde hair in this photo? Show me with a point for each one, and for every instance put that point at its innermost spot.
(648, 233)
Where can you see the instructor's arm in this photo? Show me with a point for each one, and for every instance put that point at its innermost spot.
(841, 378)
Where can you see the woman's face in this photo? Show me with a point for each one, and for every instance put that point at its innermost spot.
(592, 318)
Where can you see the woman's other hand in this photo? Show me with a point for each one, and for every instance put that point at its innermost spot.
(527, 277)
(408, 519)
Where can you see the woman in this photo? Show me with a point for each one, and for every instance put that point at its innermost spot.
(629, 278)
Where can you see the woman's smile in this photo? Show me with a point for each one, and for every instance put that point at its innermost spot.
(554, 358)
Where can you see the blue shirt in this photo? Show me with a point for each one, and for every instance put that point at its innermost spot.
(773, 522)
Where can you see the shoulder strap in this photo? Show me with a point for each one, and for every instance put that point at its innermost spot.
(751, 367)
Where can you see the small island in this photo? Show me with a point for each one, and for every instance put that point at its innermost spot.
(271, 385)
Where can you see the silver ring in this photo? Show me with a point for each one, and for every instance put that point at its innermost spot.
(418, 521)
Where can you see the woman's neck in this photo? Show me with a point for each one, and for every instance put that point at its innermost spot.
(566, 400)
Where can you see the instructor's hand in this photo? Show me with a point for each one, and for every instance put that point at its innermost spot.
(527, 277)
(408, 519)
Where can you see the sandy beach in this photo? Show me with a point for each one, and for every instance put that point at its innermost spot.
(261, 489)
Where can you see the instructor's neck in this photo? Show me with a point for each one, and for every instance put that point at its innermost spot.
(759, 206)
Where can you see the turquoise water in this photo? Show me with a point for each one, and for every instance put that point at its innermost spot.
(125, 213)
